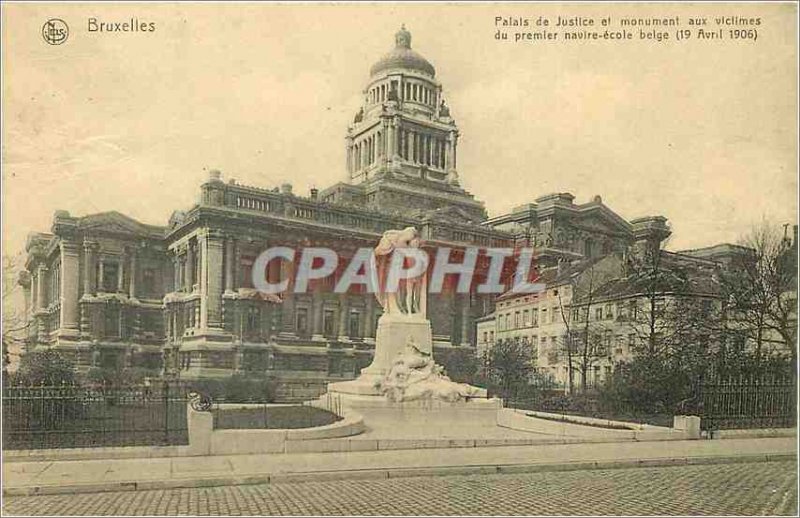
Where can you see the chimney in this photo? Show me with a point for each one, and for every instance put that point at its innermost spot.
(286, 188)
(314, 193)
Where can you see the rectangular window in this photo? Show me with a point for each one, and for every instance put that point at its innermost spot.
(355, 324)
(633, 310)
(328, 322)
(491, 337)
(516, 319)
(526, 318)
(301, 323)
(110, 271)
(598, 313)
(554, 315)
(252, 321)
(485, 336)
(149, 282)
(112, 317)
(247, 272)
(544, 315)
(609, 312)
(535, 317)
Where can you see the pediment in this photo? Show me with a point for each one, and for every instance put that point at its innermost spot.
(602, 219)
(117, 223)
(451, 214)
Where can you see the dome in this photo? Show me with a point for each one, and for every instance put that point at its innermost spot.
(403, 57)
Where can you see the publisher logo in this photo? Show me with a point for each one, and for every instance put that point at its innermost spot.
(55, 31)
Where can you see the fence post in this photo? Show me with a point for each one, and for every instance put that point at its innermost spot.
(165, 397)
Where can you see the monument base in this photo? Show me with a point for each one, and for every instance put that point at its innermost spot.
(393, 335)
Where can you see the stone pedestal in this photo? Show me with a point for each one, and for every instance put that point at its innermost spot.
(394, 333)
(392, 336)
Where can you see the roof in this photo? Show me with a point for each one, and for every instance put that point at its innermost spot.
(555, 276)
(403, 57)
(668, 282)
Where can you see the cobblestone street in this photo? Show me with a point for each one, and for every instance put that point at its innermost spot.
(768, 488)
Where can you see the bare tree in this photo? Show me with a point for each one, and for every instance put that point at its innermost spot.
(656, 290)
(15, 323)
(761, 291)
(583, 338)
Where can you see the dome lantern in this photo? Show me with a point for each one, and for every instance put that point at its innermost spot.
(402, 57)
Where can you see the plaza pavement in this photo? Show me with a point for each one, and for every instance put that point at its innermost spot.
(75, 476)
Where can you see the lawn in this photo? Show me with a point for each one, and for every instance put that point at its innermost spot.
(273, 417)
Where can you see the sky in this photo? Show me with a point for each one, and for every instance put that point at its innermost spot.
(704, 133)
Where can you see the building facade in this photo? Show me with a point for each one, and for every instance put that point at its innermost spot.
(111, 292)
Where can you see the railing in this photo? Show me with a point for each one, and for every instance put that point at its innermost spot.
(765, 400)
(72, 416)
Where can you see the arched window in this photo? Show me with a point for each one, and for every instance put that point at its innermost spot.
(414, 92)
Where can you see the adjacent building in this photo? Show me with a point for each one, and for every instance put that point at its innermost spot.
(111, 292)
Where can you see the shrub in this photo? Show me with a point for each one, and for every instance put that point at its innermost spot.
(45, 367)
(460, 365)
(120, 377)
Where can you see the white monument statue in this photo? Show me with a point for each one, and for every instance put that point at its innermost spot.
(409, 298)
(403, 368)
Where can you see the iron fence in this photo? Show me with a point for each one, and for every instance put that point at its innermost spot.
(73, 416)
(760, 400)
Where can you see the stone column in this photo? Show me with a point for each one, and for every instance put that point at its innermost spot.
(100, 274)
(229, 261)
(344, 309)
(288, 306)
(121, 273)
(176, 264)
(412, 145)
(448, 156)
(34, 292)
(132, 285)
(317, 314)
(88, 268)
(465, 319)
(390, 141)
(70, 272)
(188, 268)
(350, 155)
(41, 301)
(211, 280)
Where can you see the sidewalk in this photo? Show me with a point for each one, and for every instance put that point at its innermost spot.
(46, 477)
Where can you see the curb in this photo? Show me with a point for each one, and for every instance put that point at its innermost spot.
(361, 474)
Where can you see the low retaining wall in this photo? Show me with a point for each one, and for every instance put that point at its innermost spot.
(204, 440)
(578, 419)
(579, 427)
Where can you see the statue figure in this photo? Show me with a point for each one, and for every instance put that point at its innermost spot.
(409, 297)
(444, 110)
(415, 376)
(359, 116)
